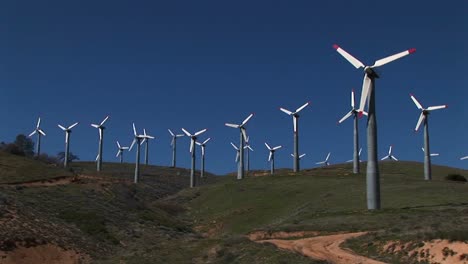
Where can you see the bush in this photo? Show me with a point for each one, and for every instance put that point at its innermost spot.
(455, 177)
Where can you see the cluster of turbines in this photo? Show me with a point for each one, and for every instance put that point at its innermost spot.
(367, 101)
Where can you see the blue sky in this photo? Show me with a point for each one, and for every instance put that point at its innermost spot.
(199, 64)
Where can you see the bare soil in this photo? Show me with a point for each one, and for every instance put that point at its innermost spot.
(42, 254)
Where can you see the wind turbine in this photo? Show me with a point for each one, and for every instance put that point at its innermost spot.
(243, 136)
(237, 152)
(295, 116)
(271, 157)
(203, 146)
(121, 151)
(248, 148)
(146, 139)
(373, 177)
(354, 112)
(359, 156)
(193, 139)
(173, 144)
(137, 140)
(101, 128)
(67, 130)
(40, 133)
(326, 160)
(432, 154)
(300, 157)
(390, 155)
(424, 116)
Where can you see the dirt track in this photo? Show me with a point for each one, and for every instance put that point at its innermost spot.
(325, 248)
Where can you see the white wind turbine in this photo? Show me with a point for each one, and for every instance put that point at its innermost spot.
(368, 91)
(359, 156)
(193, 139)
(432, 154)
(68, 131)
(203, 146)
(174, 146)
(120, 151)
(271, 157)
(300, 156)
(295, 116)
(243, 136)
(237, 152)
(424, 116)
(137, 140)
(390, 155)
(354, 112)
(248, 148)
(325, 162)
(40, 133)
(146, 139)
(101, 128)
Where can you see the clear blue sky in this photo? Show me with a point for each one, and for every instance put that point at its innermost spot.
(199, 64)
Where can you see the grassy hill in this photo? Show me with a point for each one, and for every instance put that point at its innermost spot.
(105, 216)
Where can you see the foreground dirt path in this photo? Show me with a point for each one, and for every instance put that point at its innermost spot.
(325, 248)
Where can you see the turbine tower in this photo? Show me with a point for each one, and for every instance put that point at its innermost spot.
(101, 128)
(120, 151)
(368, 91)
(295, 116)
(193, 139)
(271, 157)
(248, 148)
(424, 116)
(203, 146)
(136, 140)
(173, 144)
(68, 131)
(146, 139)
(40, 133)
(325, 162)
(243, 136)
(390, 155)
(354, 112)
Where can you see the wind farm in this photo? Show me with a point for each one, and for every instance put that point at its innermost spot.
(201, 96)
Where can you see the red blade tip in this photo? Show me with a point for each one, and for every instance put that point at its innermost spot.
(413, 50)
(360, 114)
(335, 46)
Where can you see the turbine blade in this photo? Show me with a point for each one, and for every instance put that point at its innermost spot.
(390, 151)
(143, 141)
(206, 141)
(170, 132)
(42, 132)
(97, 157)
(32, 133)
(431, 108)
(269, 156)
(295, 124)
(203, 150)
(277, 147)
(192, 145)
(365, 92)
(360, 150)
(200, 132)
(186, 132)
(250, 148)
(72, 126)
(355, 62)
(94, 125)
(134, 130)
(352, 98)
(464, 158)
(232, 125)
(198, 143)
(345, 117)
(38, 122)
(292, 155)
(421, 118)
(118, 153)
(237, 156)
(301, 156)
(302, 107)
(384, 158)
(118, 145)
(133, 143)
(105, 119)
(268, 146)
(286, 111)
(364, 113)
(321, 162)
(391, 58)
(394, 158)
(100, 133)
(172, 141)
(416, 102)
(234, 146)
(62, 127)
(247, 119)
(244, 133)
(180, 135)
(328, 156)
(434, 154)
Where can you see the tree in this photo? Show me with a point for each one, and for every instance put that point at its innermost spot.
(25, 144)
(71, 156)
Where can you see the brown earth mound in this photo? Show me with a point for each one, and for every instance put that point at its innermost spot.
(325, 248)
(42, 254)
(434, 251)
